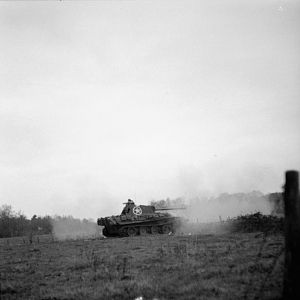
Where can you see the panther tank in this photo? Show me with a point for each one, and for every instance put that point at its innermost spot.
(140, 220)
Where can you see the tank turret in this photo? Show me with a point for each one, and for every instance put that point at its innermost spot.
(140, 220)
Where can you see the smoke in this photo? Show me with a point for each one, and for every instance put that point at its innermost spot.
(223, 176)
(209, 215)
(225, 191)
(71, 228)
(227, 206)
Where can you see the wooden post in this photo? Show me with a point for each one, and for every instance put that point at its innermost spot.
(291, 289)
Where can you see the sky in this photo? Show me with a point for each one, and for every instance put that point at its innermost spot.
(101, 101)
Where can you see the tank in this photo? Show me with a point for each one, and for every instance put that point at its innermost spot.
(140, 220)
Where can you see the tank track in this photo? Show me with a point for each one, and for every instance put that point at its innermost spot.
(134, 230)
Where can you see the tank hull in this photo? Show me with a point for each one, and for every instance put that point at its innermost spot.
(159, 225)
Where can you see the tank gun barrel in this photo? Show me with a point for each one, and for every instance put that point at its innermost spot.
(171, 208)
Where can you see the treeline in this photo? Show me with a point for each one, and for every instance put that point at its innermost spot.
(13, 224)
(17, 224)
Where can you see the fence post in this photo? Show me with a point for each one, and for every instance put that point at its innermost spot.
(291, 288)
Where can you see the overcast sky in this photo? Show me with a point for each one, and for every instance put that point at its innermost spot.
(103, 101)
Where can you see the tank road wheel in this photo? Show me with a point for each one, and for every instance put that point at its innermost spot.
(155, 230)
(143, 231)
(105, 232)
(166, 229)
(131, 231)
(123, 231)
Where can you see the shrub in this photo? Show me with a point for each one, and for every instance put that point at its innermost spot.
(256, 222)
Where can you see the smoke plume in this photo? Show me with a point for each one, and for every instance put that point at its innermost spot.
(227, 206)
(71, 228)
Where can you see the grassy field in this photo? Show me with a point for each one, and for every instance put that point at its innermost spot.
(228, 266)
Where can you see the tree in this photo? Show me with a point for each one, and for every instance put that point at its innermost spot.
(6, 214)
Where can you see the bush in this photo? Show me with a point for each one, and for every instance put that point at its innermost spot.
(256, 222)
